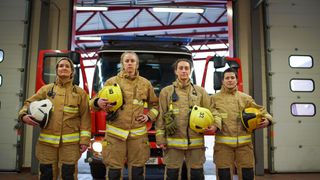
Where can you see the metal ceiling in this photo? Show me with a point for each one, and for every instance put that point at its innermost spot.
(136, 17)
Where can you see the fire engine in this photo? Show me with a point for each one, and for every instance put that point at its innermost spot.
(156, 56)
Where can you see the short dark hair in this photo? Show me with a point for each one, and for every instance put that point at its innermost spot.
(231, 70)
(175, 64)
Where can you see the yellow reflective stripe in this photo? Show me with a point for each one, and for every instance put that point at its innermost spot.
(117, 131)
(52, 109)
(74, 137)
(70, 109)
(175, 111)
(184, 142)
(138, 102)
(52, 139)
(155, 112)
(85, 133)
(138, 131)
(160, 132)
(233, 140)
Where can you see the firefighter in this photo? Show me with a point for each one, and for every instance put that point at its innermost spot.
(68, 130)
(126, 138)
(233, 144)
(173, 133)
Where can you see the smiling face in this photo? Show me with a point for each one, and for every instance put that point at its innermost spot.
(230, 80)
(183, 71)
(64, 69)
(130, 63)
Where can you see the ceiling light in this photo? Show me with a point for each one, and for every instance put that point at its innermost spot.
(91, 8)
(185, 10)
(89, 38)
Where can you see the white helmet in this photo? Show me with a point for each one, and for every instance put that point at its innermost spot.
(40, 110)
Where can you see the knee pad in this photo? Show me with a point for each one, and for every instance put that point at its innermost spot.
(46, 171)
(196, 174)
(67, 171)
(224, 174)
(137, 173)
(114, 174)
(172, 174)
(247, 173)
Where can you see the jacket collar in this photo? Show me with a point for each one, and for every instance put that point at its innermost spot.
(63, 82)
(125, 75)
(181, 85)
(229, 91)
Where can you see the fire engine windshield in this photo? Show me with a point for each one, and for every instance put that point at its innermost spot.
(156, 67)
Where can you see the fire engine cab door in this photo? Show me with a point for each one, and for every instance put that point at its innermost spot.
(293, 43)
(12, 59)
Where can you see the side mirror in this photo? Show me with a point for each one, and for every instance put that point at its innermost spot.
(219, 62)
(217, 80)
(75, 57)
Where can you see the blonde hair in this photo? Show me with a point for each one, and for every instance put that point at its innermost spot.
(126, 53)
(71, 65)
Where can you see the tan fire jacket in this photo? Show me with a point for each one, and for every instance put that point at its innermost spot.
(69, 120)
(230, 104)
(189, 95)
(136, 92)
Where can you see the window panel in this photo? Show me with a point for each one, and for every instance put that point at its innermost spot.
(300, 61)
(301, 85)
(303, 109)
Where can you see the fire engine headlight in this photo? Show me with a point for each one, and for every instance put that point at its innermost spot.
(97, 146)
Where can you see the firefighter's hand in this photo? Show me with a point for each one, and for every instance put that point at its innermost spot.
(28, 119)
(264, 123)
(142, 118)
(163, 146)
(211, 129)
(83, 148)
(104, 104)
(171, 124)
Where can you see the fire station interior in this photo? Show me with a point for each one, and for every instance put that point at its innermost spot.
(276, 41)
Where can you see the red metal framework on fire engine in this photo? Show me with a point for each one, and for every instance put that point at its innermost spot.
(218, 29)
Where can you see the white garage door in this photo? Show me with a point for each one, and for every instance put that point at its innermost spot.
(12, 53)
(294, 57)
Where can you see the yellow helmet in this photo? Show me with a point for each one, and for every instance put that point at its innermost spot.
(250, 118)
(200, 119)
(113, 94)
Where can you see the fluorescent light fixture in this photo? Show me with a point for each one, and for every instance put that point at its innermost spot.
(185, 10)
(90, 38)
(91, 8)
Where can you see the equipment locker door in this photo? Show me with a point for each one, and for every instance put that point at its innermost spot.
(293, 48)
(13, 33)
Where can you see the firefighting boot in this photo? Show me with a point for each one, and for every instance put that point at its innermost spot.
(114, 174)
(67, 171)
(137, 173)
(46, 171)
(172, 174)
(197, 174)
(224, 174)
(247, 173)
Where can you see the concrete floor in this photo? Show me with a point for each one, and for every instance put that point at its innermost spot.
(209, 169)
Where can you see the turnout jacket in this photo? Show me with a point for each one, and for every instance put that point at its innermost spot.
(69, 119)
(136, 92)
(230, 103)
(188, 96)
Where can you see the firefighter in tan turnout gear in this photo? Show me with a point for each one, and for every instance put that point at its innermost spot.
(233, 144)
(179, 142)
(67, 132)
(126, 138)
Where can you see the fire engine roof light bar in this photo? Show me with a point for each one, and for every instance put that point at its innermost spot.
(91, 8)
(183, 10)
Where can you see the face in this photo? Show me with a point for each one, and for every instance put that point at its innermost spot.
(230, 80)
(130, 63)
(183, 70)
(64, 69)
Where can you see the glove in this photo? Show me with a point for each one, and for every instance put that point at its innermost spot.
(171, 124)
(111, 116)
